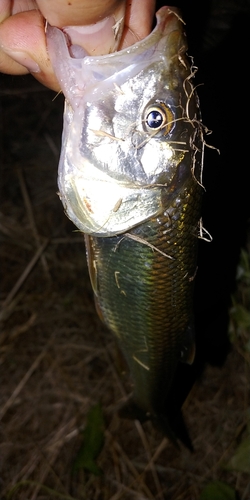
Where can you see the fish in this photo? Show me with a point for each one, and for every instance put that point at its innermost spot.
(130, 179)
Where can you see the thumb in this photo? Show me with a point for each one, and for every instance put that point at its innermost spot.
(22, 40)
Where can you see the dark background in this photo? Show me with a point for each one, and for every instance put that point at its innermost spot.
(53, 312)
(218, 38)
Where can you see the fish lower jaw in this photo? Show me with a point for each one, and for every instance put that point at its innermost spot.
(104, 207)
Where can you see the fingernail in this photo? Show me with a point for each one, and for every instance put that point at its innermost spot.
(100, 38)
(24, 59)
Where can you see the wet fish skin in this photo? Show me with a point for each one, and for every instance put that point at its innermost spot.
(144, 279)
(146, 297)
(141, 245)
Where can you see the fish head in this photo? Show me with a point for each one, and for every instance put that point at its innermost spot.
(131, 126)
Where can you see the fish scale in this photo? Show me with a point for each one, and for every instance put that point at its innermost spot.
(145, 297)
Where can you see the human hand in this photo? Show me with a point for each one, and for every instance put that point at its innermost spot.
(89, 23)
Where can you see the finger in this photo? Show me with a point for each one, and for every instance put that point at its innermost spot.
(102, 37)
(5, 9)
(22, 6)
(96, 25)
(138, 21)
(77, 12)
(23, 44)
(11, 67)
(22, 39)
(110, 34)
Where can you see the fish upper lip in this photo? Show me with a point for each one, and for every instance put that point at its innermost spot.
(58, 47)
(79, 76)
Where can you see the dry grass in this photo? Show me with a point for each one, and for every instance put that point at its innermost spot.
(58, 360)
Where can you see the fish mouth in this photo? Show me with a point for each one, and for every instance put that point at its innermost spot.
(103, 67)
(103, 37)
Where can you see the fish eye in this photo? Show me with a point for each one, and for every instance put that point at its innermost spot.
(158, 117)
(155, 119)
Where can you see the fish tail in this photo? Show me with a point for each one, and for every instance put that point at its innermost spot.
(172, 426)
(178, 426)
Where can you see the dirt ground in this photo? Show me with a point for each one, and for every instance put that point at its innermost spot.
(58, 360)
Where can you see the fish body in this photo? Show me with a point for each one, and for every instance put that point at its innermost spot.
(130, 179)
(145, 297)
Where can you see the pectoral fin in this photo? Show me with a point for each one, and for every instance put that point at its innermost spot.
(188, 349)
(91, 263)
